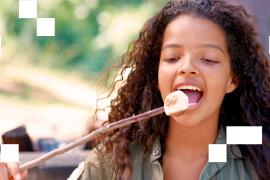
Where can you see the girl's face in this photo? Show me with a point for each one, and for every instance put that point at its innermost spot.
(194, 58)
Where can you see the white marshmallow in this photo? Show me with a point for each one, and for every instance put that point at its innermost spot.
(175, 103)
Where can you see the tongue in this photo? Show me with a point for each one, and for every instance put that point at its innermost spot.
(193, 95)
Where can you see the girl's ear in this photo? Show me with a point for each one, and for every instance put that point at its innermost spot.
(232, 85)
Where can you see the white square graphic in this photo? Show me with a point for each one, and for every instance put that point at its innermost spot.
(217, 153)
(27, 8)
(9, 153)
(244, 135)
(45, 26)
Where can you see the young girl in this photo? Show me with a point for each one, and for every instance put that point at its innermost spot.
(209, 50)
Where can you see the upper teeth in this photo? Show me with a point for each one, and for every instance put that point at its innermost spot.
(189, 87)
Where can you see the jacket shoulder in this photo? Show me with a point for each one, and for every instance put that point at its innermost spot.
(100, 166)
(97, 166)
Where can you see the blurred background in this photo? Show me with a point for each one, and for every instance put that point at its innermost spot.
(50, 84)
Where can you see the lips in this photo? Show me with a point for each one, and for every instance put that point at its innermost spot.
(193, 90)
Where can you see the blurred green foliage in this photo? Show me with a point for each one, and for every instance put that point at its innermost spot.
(90, 34)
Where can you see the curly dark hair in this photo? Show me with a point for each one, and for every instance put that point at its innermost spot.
(248, 105)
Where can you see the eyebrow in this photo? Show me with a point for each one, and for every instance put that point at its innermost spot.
(171, 46)
(214, 46)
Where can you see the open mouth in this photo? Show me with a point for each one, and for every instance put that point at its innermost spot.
(194, 96)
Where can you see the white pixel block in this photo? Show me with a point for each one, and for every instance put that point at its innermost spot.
(45, 26)
(9, 153)
(244, 134)
(217, 153)
(27, 8)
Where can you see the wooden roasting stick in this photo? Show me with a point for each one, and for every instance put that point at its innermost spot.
(175, 104)
(97, 133)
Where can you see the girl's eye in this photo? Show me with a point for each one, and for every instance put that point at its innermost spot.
(210, 61)
(172, 59)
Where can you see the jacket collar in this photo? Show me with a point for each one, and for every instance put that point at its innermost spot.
(233, 151)
(156, 150)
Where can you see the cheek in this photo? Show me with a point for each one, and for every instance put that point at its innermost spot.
(218, 82)
(165, 80)
(217, 85)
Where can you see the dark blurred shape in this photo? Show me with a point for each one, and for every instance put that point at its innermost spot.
(18, 136)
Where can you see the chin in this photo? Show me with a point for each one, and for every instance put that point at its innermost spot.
(186, 122)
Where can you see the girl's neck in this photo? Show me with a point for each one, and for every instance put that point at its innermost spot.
(189, 143)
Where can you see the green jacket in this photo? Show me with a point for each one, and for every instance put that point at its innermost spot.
(147, 166)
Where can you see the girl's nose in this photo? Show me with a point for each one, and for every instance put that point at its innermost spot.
(187, 66)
